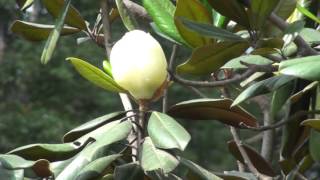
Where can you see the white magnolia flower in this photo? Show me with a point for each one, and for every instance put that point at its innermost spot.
(139, 64)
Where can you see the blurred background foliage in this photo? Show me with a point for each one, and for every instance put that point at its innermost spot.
(39, 103)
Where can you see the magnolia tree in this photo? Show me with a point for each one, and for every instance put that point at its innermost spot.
(259, 51)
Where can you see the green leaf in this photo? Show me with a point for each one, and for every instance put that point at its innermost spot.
(91, 125)
(104, 136)
(161, 34)
(210, 58)
(313, 123)
(307, 13)
(257, 160)
(203, 173)
(263, 87)
(236, 175)
(294, 27)
(96, 168)
(260, 11)
(73, 17)
(153, 158)
(310, 35)
(107, 67)
(211, 31)
(192, 10)
(11, 175)
(127, 18)
(51, 152)
(162, 12)
(166, 133)
(54, 35)
(314, 147)
(280, 98)
(231, 9)
(58, 166)
(305, 68)
(251, 59)
(95, 75)
(213, 109)
(13, 162)
(130, 171)
(37, 32)
(285, 8)
(27, 4)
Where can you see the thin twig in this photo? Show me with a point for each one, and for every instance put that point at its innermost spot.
(106, 26)
(165, 93)
(281, 123)
(243, 152)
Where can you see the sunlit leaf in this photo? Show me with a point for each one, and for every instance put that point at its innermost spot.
(314, 123)
(95, 75)
(305, 67)
(263, 87)
(297, 96)
(153, 158)
(192, 10)
(27, 4)
(37, 32)
(91, 125)
(307, 13)
(96, 168)
(210, 58)
(162, 13)
(166, 133)
(213, 109)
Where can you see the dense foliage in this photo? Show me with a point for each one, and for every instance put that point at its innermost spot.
(242, 53)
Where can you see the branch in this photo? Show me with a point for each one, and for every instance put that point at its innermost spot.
(106, 26)
(303, 46)
(281, 123)
(165, 93)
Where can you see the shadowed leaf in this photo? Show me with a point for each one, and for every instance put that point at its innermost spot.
(260, 11)
(251, 59)
(200, 171)
(257, 160)
(213, 109)
(130, 171)
(37, 32)
(127, 18)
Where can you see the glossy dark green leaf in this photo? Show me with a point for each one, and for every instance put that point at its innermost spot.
(200, 171)
(13, 162)
(307, 13)
(130, 171)
(280, 98)
(231, 9)
(104, 136)
(153, 158)
(213, 109)
(96, 168)
(211, 31)
(263, 87)
(314, 123)
(73, 17)
(51, 152)
(55, 34)
(260, 11)
(257, 160)
(285, 8)
(37, 32)
(305, 68)
(276, 43)
(195, 11)
(128, 19)
(161, 34)
(95, 75)
(251, 59)
(162, 13)
(11, 174)
(210, 58)
(167, 133)
(314, 147)
(91, 125)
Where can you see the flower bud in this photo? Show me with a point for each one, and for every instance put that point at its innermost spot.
(139, 64)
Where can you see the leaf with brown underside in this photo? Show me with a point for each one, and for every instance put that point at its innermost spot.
(257, 160)
(213, 109)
